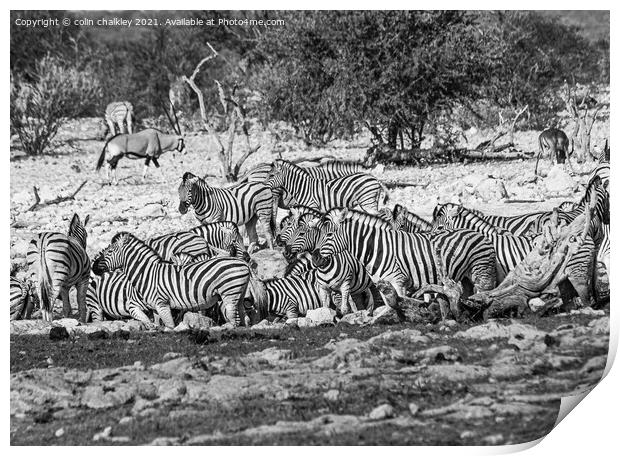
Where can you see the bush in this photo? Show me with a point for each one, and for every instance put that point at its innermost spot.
(39, 108)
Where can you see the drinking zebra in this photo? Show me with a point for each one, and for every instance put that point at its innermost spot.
(407, 221)
(406, 259)
(290, 223)
(242, 204)
(21, 299)
(360, 189)
(165, 286)
(119, 114)
(61, 262)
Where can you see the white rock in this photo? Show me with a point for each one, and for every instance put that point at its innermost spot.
(304, 322)
(491, 189)
(66, 323)
(356, 318)
(536, 304)
(384, 315)
(196, 321)
(413, 408)
(321, 315)
(559, 181)
(60, 432)
(382, 412)
(331, 395)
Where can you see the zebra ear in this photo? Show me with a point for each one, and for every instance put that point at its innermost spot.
(86, 219)
(187, 176)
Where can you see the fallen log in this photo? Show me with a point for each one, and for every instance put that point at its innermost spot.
(538, 275)
(59, 199)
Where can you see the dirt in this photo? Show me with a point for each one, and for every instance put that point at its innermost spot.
(285, 385)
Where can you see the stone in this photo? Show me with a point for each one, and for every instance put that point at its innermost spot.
(171, 355)
(272, 355)
(165, 441)
(126, 420)
(66, 322)
(491, 189)
(356, 318)
(494, 329)
(559, 181)
(600, 326)
(96, 397)
(322, 315)
(535, 304)
(385, 315)
(196, 321)
(151, 211)
(60, 432)
(103, 435)
(413, 408)
(494, 439)
(304, 322)
(58, 333)
(331, 395)
(382, 412)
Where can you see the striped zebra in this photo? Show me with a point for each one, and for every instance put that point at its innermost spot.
(61, 262)
(290, 296)
(601, 287)
(171, 245)
(342, 273)
(324, 171)
(511, 249)
(602, 171)
(112, 296)
(349, 191)
(290, 223)
(165, 286)
(242, 204)
(407, 221)
(21, 299)
(119, 114)
(406, 260)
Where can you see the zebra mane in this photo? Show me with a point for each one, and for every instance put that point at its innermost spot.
(337, 215)
(302, 262)
(77, 229)
(289, 166)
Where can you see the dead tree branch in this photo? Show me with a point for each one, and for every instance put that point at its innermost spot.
(59, 199)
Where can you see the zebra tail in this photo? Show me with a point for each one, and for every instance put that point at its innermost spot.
(258, 291)
(45, 281)
(102, 154)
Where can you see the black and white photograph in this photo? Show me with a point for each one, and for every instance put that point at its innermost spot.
(304, 228)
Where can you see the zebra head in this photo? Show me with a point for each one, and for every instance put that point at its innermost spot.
(305, 236)
(77, 229)
(443, 214)
(333, 239)
(275, 178)
(232, 241)
(113, 256)
(185, 192)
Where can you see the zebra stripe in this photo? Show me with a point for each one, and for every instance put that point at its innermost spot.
(349, 191)
(112, 296)
(21, 302)
(60, 262)
(241, 204)
(407, 259)
(163, 285)
(602, 171)
(119, 113)
(168, 246)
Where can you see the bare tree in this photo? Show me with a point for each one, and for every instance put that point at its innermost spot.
(584, 121)
(234, 113)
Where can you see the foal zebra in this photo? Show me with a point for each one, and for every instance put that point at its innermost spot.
(61, 263)
(349, 191)
(164, 285)
(242, 204)
(119, 113)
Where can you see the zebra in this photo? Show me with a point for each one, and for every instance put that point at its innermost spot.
(407, 259)
(602, 171)
(290, 296)
(602, 261)
(114, 297)
(349, 191)
(165, 286)
(168, 246)
(61, 262)
(290, 223)
(242, 204)
(223, 238)
(344, 274)
(21, 299)
(119, 113)
(404, 220)
(511, 249)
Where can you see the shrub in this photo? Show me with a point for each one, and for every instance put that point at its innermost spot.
(39, 108)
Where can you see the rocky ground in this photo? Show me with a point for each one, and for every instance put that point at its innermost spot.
(313, 381)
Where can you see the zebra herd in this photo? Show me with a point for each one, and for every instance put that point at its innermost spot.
(337, 241)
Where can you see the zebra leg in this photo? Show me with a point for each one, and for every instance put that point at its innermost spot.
(345, 291)
(250, 228)
(164, 312)
(138, 314)
(66, 304)
(129, 123)
(324, 295)
(82, 288)
(267, 222)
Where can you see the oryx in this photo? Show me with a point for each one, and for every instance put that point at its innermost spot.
(149, 144)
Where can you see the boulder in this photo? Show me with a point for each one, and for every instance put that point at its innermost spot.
(320, 316)
(385, 315)
(356, 318)
(491, 189)
(195, 320)
(559, 181)
(382, 412)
